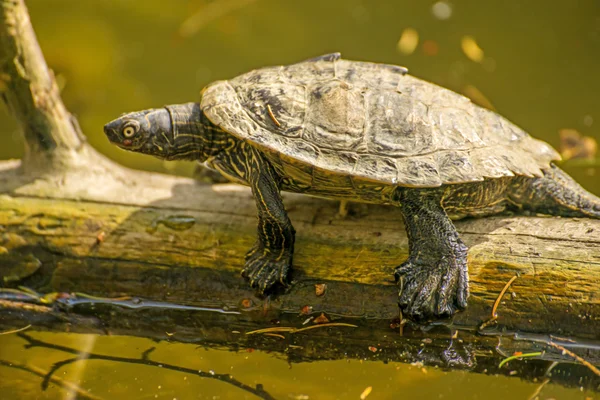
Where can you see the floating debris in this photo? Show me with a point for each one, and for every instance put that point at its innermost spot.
(291, 329)
(408, 42)
(373, 349)
(299, 396)
(471, 49)
(441, 10)
(247, 303)
(306, 310)
(321, 319)
(366, 392)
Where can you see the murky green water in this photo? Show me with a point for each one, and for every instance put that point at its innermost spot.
(172, 374)
(539, 68)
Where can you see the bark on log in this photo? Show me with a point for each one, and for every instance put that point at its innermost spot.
(142, 253)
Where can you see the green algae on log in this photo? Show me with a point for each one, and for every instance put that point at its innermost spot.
(557, 260)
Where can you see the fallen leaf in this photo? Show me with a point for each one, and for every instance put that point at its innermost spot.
(320, 289)
(246, 303)
(321, 319)
(306, 310)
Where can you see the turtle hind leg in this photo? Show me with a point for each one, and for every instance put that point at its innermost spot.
(433, 280)
(556, 193)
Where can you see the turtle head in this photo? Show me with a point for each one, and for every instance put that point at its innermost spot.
(170, 133)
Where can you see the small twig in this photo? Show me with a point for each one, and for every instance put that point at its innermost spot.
(16, 330)
(291, 329)
(325, 326)
(270, 111)
(520, 356)
(494, 316)
(275, 335)
(539, 389)
(497, 302)
(18, 305)
(575, 356)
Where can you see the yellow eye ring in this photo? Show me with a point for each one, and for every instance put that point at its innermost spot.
(129, 131)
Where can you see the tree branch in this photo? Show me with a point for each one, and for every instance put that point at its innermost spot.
(28, 87)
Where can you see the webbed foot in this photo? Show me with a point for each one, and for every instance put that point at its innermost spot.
(264, 269)
(433, 287)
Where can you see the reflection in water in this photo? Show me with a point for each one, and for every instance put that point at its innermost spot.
(114, 367)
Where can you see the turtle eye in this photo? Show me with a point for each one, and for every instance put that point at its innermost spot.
(129, 131)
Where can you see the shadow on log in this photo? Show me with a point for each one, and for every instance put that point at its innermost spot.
(72, 221)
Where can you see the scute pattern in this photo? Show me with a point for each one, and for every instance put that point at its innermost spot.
(372, 122)
(336, 116)
(286, 101)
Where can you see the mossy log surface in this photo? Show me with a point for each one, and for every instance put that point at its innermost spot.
(170, 239)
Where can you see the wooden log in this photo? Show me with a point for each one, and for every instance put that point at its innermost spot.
(183, 242)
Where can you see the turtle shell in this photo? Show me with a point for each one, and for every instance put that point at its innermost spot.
(372, 121)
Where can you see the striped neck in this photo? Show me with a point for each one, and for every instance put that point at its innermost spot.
(195, 138)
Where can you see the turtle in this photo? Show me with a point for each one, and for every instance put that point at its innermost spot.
(362, 132)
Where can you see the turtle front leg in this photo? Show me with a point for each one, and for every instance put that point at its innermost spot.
(270, 259)
(434, 280)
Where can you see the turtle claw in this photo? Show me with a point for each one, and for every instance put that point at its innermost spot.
(432, 289)
(264, 270)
